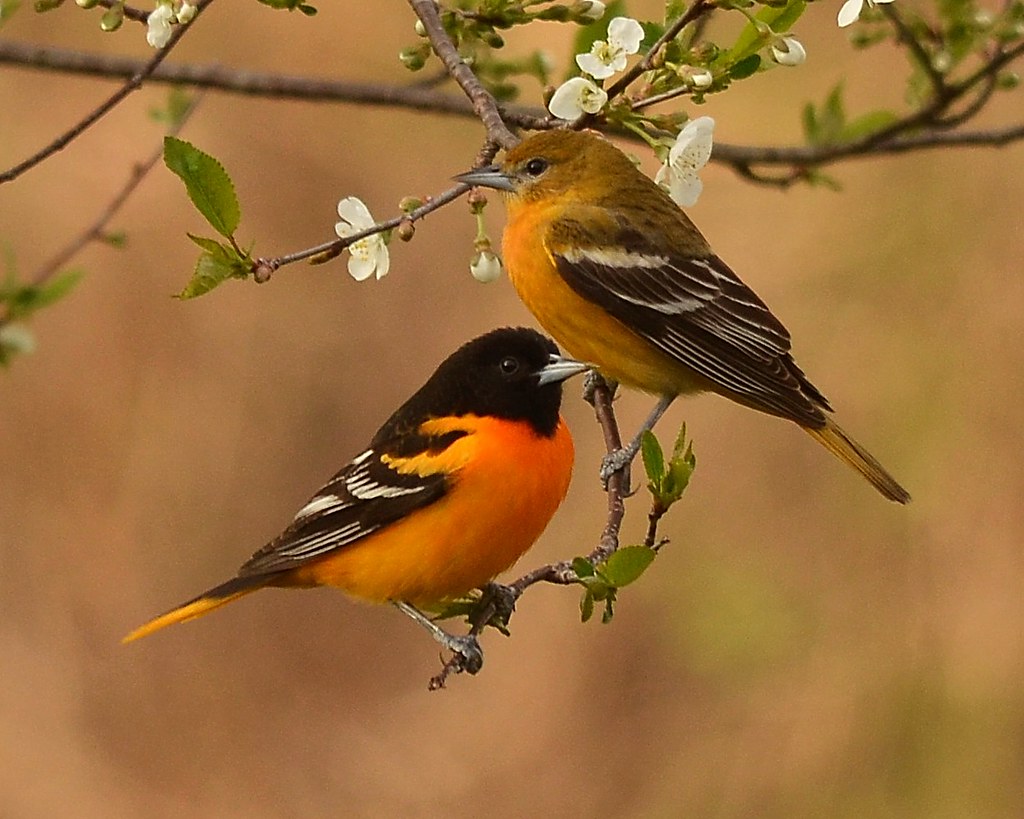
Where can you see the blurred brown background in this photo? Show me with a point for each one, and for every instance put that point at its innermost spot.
(802, 648)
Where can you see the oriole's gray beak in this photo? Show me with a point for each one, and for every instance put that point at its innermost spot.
(490, 176)
(560, 368)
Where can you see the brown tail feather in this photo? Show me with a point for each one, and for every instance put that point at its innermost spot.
(832, 437)
(206, 602)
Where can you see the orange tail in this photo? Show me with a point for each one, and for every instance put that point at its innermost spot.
(832, 437)
(206, 602)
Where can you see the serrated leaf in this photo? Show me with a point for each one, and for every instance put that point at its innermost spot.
(211, 270)
(653, 457)
(582, 567)
(208, 184)
(627, 565)
(586, 606)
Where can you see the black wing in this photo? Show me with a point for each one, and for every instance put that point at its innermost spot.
(368, 494)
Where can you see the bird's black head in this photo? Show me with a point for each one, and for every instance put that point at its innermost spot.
(511, 373)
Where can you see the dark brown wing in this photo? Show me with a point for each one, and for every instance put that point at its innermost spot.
(699, 313)
(365, 496)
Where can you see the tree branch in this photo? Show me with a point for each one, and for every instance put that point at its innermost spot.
(95, 115)
(484, 104)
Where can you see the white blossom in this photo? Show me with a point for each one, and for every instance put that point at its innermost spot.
(852, 8)
(186, 12)
(609, 57)
(369, 255)
(688, 155)
(788, 50)
(158, 25)
(576, 97)
(485, 267)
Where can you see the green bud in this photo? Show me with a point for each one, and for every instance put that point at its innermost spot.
(47, 5)
(409, 203)
(112, 20)
(1008, 80)
(492, 38)
(413, 58)
(405, 231)
(87, 4)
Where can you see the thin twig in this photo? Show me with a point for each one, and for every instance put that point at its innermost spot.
(698, 8)
(133, 84)
(96, 230)
(129, 13)
(484, 104)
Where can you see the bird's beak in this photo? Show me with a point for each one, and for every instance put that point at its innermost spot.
(560, 368)
(490, 176)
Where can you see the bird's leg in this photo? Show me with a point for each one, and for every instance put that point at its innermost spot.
(465, 647)
(622, 458)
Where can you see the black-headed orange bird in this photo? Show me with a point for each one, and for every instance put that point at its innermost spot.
(622, 278)
(450, 492)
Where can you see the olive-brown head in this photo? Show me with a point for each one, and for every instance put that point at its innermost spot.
(568, 165)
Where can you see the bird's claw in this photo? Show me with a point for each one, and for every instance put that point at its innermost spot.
(617, 462)
(469, 657)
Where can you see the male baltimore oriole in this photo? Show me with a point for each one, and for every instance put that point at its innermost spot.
(451, 491)
(622, 278)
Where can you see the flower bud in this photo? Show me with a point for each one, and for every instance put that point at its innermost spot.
(485, 267)
(788, 51)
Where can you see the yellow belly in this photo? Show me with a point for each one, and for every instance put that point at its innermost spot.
(586, 331)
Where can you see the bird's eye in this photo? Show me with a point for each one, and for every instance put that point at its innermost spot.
(536, 166)
(509, 365)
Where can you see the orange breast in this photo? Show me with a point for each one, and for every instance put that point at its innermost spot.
(508, 484)
(586, 331)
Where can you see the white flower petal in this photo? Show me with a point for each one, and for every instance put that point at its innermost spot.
(595, 11)
(186, 12)
(382, 259)
(849, 12)
(360, 267)
(626, 34)
(685, 190)
(701, 79)
(158, 26)
(594, 66)
(575, 97)
(353, 211)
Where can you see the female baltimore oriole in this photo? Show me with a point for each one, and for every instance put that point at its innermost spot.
(451, 491)
(621, 277)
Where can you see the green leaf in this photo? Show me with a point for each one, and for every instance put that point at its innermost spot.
(586, 606)
(582, 567)
(291, 5)
(653, 457)
(217, 263)
(868, 124)
(609, 610)
(174, 110)
(7, 8)
(627, 564)
(208, 184)
(745, 67)
(652, 31)
(23, 300)
(780, 19)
